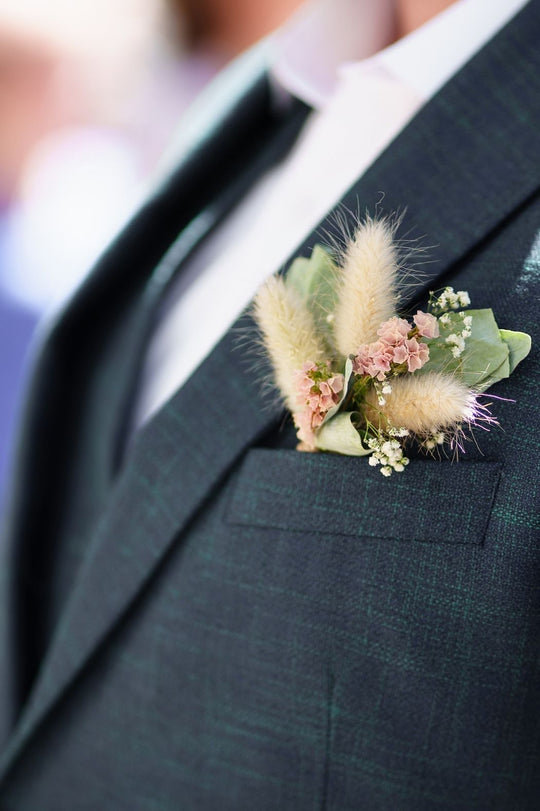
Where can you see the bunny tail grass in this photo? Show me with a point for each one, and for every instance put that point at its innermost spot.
(424, 404)
(367, 293)
(289, 334)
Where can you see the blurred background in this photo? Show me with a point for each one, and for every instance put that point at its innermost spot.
(90, 95)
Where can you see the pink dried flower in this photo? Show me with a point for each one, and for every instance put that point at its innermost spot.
(302, 420)
(318, 391)
(304, 383)
(373, 359)
(381, 358)
(412, 352)
(427, 324)
(394, 331)
(362, 361)
(328, 391)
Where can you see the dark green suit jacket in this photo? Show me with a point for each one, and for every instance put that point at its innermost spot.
(212, 620)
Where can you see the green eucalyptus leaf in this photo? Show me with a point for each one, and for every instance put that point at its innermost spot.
(484, 327)
(486, 358)
(299, 277)
(440, 359)
(308, 275)
(519, 346)
(340, 436)
(315, 281)
(483, 364)
(495, 374)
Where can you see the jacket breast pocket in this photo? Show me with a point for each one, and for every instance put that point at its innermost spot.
(433, 501)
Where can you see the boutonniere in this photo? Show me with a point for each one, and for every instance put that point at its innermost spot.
(362, 379)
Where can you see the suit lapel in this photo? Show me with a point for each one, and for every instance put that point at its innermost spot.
(71, 409)
(468, 159)
(173, 465)
(454, 197)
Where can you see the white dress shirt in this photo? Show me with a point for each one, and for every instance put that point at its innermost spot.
(334, 54)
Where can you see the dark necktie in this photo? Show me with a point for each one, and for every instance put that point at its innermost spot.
(191, 238)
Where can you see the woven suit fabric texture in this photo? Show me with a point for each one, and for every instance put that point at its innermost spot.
(212, 620)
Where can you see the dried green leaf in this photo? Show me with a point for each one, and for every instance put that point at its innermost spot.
(340, 436)
(519, 346)
(315, 281)
(487, 355)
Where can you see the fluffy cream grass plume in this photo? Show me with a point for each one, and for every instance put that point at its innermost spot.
(424, 404)
(289, 334)
(367, 293)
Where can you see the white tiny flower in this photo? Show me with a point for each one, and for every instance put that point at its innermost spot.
(444, 319)
(391, 447)
(381, 400)
(373, 461)
(386, 471)
(330, 318)
(387, 388)
(456, 351)
(451, 298)
(399, 467)
(468, 321)
(464, 298)
(457, 342)
(430, 444)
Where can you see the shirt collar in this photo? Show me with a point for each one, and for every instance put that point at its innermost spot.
(327, 38)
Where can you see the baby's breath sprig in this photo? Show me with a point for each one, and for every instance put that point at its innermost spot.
(455, 327)
(447, 300)
(388, 453)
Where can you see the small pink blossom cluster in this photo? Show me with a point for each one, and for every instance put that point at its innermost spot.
(318, 391)
(398, 344)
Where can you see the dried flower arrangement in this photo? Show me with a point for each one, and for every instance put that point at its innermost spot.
(359, 378)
